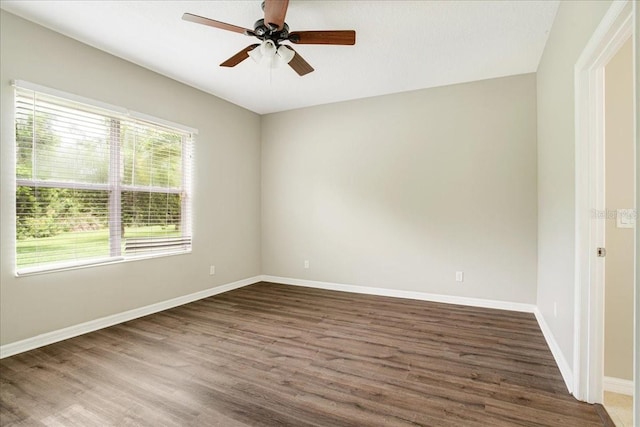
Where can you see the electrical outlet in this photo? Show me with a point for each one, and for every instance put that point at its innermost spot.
(459, 276)
(212, 270)
(306, 263)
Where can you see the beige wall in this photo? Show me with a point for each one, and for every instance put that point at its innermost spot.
(226, 186)
(402, 191)
(574, 24)
(619, 167)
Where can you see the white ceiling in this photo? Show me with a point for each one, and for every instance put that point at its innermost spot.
(400, 45)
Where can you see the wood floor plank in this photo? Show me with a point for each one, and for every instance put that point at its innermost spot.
(276, 355)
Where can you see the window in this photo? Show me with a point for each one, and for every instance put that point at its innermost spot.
(96, 183)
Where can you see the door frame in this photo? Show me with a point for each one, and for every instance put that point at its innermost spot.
(588, 355)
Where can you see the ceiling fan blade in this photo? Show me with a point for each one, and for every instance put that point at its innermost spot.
(216, 24)
(299, 65)
(239, 57)
(342, 37)
(274, 13)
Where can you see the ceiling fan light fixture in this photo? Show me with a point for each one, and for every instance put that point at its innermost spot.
(286, 54)
(264, 54)
(268, 56)
(268, 48)
(272, 30)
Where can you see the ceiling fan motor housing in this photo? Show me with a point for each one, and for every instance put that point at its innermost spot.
(263, 32)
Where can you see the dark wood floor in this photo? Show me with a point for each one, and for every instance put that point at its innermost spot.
(271, 354)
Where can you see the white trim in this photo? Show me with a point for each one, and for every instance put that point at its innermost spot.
(618, 385)
(104, 322)
(605, 34)
(561, 361)
(22, 84)
(423, 296)
(614, 29)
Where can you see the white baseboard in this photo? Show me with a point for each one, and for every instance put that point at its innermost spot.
(93, 325)
(565, 369)
(423, 296)
(618, 385)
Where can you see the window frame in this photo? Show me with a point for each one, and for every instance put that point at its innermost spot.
(114, 187)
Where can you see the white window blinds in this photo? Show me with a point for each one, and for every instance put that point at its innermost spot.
(95, 185)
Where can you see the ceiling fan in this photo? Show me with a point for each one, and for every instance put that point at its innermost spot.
(272, 31)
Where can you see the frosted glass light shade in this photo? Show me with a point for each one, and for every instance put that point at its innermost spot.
(268, 49)
(267, 55)
(286, 54)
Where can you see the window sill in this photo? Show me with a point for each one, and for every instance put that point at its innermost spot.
(32, 271)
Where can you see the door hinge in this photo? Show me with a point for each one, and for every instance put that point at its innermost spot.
(602, 252)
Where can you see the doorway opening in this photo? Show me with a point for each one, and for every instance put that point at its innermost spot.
(619, 218)
(615, 30)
